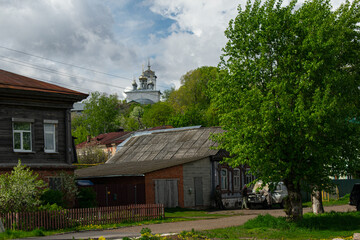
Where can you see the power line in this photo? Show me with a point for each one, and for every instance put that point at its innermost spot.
(21, 63)
(68, 64)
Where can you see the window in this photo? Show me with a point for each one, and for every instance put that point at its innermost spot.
(22, 137)
(249, 177)
(224, 177)
(236, 179)
(50, 135)
(55, 183)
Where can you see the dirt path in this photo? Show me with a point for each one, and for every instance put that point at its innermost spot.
(177, 227)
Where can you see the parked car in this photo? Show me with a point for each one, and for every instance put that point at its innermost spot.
(355, 196)
(263, 196)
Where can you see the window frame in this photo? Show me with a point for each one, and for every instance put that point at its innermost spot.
(22, 120)
(236, 179)
(53, 123)
(224, 179)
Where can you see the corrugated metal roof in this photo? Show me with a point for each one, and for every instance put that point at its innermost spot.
(11, 80)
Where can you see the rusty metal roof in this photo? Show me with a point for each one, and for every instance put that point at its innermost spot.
(9, 80)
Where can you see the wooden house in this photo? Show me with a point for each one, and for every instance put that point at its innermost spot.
(176, 167)
(35, 125)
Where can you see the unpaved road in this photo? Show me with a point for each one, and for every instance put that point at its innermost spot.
(176, 227)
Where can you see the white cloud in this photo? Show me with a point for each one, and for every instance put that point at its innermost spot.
(115, 37)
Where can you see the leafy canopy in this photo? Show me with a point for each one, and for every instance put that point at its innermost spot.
(288, 90)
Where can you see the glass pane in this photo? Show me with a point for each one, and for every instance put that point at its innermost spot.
(27, 141)
(49, 141)
(17, 142)
(21, 126)
(49, 127)
(237, 172)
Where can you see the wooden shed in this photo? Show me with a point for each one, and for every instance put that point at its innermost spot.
(179, 167)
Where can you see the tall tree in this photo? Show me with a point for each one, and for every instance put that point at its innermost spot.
(101, 112)
(193, 90)
(288, 94)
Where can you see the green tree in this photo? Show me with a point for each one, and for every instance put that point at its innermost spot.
(157, 114)
(288, 93)
(193, 90)
(20, 190)
(101, 113)
(191, 102)
(91, 155)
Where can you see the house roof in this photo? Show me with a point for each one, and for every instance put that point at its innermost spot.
(154, 150)
(104, 139)
(113, 137)
(176, 143)
(130, 168)
(9, 80)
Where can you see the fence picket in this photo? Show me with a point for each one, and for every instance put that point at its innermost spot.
(72, 217)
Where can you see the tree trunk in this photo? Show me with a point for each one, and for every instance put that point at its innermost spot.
(293, 203)
(316, 199)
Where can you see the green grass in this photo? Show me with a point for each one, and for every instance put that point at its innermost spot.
(324, 226)
(342, 201)
(171, 215)
(190, 214)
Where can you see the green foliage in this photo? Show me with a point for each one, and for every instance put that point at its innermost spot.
(69, 189)
(20, 190)
(157, 114)
(87, 198)
(145, 230)
(101, 112)
(91, 155)
(101, 115)
(287, 90)
(50, 207)
(51, 196)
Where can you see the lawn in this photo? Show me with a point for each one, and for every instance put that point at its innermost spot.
(324, 226)
(342, 201)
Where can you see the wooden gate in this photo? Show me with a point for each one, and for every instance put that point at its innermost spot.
(166, 192)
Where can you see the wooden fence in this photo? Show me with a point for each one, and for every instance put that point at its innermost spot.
(68, 218)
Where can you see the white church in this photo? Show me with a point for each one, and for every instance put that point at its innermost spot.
(145, 92)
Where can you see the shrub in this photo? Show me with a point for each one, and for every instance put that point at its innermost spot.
(52, 197)
(20, 190)
(87, 198)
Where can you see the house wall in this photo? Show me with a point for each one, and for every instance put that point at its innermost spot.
(37, 156)
(201, 168)
(175, 172)
(231, 196)
(115, 191)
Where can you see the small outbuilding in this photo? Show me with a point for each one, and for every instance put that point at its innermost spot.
(176, 167)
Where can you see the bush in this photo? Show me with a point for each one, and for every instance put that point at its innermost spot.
(52, 197)
(20, 190)
(87, 198)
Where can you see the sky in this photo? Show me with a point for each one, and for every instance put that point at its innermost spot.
(97, 45)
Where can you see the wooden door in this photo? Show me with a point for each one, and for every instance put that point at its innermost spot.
(166, 192)
(199, 201)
